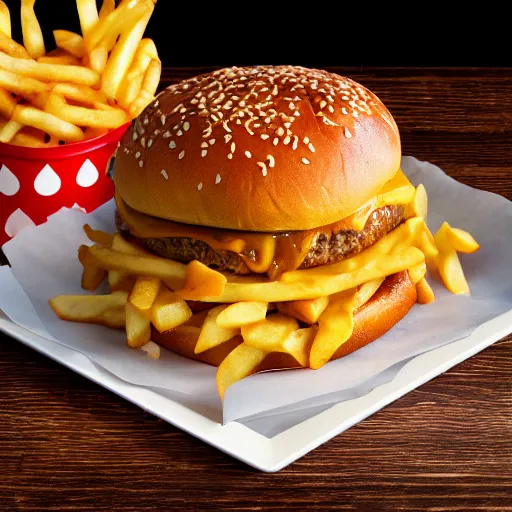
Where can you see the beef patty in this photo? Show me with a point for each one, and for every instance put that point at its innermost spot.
(324, 249)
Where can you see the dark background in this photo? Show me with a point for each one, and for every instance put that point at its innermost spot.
(194, 33)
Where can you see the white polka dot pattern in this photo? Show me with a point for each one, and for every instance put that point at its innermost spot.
(47, 182)
(17, 221)
(87, 175)
(9, 183)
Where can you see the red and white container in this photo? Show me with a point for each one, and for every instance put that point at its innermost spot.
(37, 182)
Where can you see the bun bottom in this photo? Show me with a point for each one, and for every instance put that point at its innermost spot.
(389, 305)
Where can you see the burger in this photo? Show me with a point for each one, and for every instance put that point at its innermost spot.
(285, 181)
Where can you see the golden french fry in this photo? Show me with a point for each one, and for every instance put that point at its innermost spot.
(70, 42)
(145, 292)
(107, 6)
(98, 59)
(119, 21)
(417, 273)
(240, 363)
(169, 311)
(32, 34)
(11, 47)
(123, 52)
(307, 311)
(298, 344)
(47, 122)
(92, 277)
(64, 60)
(31, 141)
(425, 292)
(151, 349)
(7, 104)
(116, 278)
(148, 88)
(21, 85)
(132, 82)
(242, 313)
(98, 237)
(270, 333)
(429, 248)
(201, 281)
(49, 72)
(88, 14)
(213, 334)
(9, 130)
(79, 93)
(96, 309)
(335, 327)
(82, 116)
(462, 241)
(448, 264)
(5, 19)
(138, 327)
(167, 270)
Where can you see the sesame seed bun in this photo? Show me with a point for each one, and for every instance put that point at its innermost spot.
(258, 149)
(392, 301)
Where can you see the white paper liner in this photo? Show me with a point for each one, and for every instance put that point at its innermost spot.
(45, 264)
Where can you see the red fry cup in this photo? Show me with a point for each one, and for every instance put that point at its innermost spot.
(37, 182)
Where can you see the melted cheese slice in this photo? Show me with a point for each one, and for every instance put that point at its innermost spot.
(263, 251)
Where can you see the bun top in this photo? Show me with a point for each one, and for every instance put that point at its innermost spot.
(258, 149)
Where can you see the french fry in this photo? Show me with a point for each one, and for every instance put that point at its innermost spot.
(9, 130)
(70, 42)
(97, 309)
(98, 59)
(64, 60)
(107, 7)
(48, 123)
(79, 93)
(21, 85)
(419, 205)
(211, 333)
(30, 141)
(145, 292)
(5, 19)
(167, 270)
(169, 311)
(116, 278)
(417, 273)
(49, 72)
(148, 88)
(270, 333)
(462, 241)
(7, 104)
(307, 311)
(201, 281)
(83, 116)
(92, 276)
(298, 344)
(240, 363)
(32, 34)
(123, 53)
(424, 292)
(448, 264)
(151, 349)
(429, 248)
(138, 327)
(242, 313)
(11, 47)
(98, 237)
(335, 327)
(88, 14)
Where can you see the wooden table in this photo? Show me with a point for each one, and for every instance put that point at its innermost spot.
(67, 444)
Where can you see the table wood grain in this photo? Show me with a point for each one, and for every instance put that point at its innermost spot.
(68, 444)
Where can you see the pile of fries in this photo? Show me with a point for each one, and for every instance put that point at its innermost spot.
(300, 320)
(88, 85)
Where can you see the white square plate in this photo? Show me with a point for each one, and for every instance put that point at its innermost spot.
(243, 443)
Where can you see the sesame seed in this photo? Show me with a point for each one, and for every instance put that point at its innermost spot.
(134, 136)
(248, 154)
(347, 133)
(233, 146)
(291, 105)
(271, 161)
(286, 140)
(200, 186)
(288, 124)
(275, 91)
(141, 163)
(217, 179)
(194, 101)
(230, 156)
(146, 121)
(143, 142)
(296, 113)
(263, 168)
(181, 155)
(179, 133)
(204, 144)
(204, 153)
(172, 144)
(186, 126)
(331, 109)
(183, 110)
(306, 140)
(264, 136)
(275, 141)
(311, 147)
(295, 142)
(163, 119)
(227, 137)
(212, 142)
(305, 161)
(164, 174)
(238, 121)
(155, 105)
(137, 155)
(280, 131)
(150, 143)
(344, 110)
